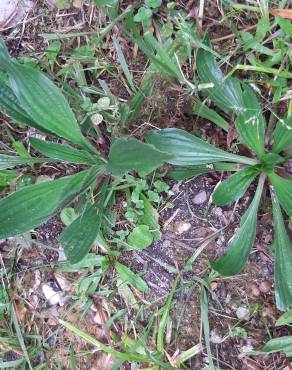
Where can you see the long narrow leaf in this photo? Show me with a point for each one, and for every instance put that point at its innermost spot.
(10, 161)
(35, 204)
(283, 258)
(250, 123)
(134, 155)
(234, 187)
(62, 152)
(79, 236)
(239, 246)
(283, 189)
(225, 93)
(188, 149)
(183, 173)
(204, 111)
(42, 100)
(282, 137)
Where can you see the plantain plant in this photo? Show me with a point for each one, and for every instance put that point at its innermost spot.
(193, 156)
(29, 97)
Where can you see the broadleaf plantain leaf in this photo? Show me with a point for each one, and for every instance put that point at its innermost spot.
(33, 205)
(42, 100)
(79, 236)
(10, 161)
(250, 123)
(131, 154)
(188, 150)
(282, 136)
(239, 246)
(225, 93)
(62, 152)
(234, 187)
(283, 258)
(283, 189)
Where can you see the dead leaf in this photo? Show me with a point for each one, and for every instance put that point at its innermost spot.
(231, 135)
(104, 362)
(284, 13)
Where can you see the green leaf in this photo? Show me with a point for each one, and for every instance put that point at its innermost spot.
(33, 205)
(285, 319)
(285, 25)
(144, 14)
(282, 136)
(183, 173)
(250, 123)
(62, 152)
(42, 100)
(7, 177)
(10, 161)
(68, 215)
(153, 3)
(140, 237)
(129, 277)
(283, 188)
(283, 258)
(150, 217)
(187, 149)
(133, 155)
(239, 246)
(278, 344)
(10, 106)
(79, 236)
(234, 187)
(204, 111)
(225, 93)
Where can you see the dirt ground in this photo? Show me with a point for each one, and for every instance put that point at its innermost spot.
(242, 310)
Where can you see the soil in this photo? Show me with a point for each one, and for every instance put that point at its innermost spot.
(33, 265)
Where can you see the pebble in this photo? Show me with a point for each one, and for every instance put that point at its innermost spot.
(254, 289)
(181, 226)
(242, 313)
(215, 337)
(265, 286)
(51, 296)
(200, 198)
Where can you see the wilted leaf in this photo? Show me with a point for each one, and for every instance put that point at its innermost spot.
(284, 13)
(234, 187)
(187, 149)
(283, 258)
(140, 237)
(79, 236)
(134, 155)
(129, 277)
(35, 204)
(283, 188)
(239, 246)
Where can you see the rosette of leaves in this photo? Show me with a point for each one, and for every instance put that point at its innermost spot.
(193, 156)
(29, 97)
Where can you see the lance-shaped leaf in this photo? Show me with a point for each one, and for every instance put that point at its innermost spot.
(79, 236)
(10, 161)
(250, 123)
(282, 137)
(188, 149)
(279, 344)
(239, 246)
(183, 173)
(42, 100)
(234, 187)
(35, 204)
(129, 277)
(134, 155)
(225, 93)
(62, 152)
(283, 189)
(283, 258)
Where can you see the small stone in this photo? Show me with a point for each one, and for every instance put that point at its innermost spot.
(51, 296)
(265, 286)
(166, 244)
(215, 337)
(253, 290)
(180, 227)
(213, 285)
(242, 313)
(200, 198)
